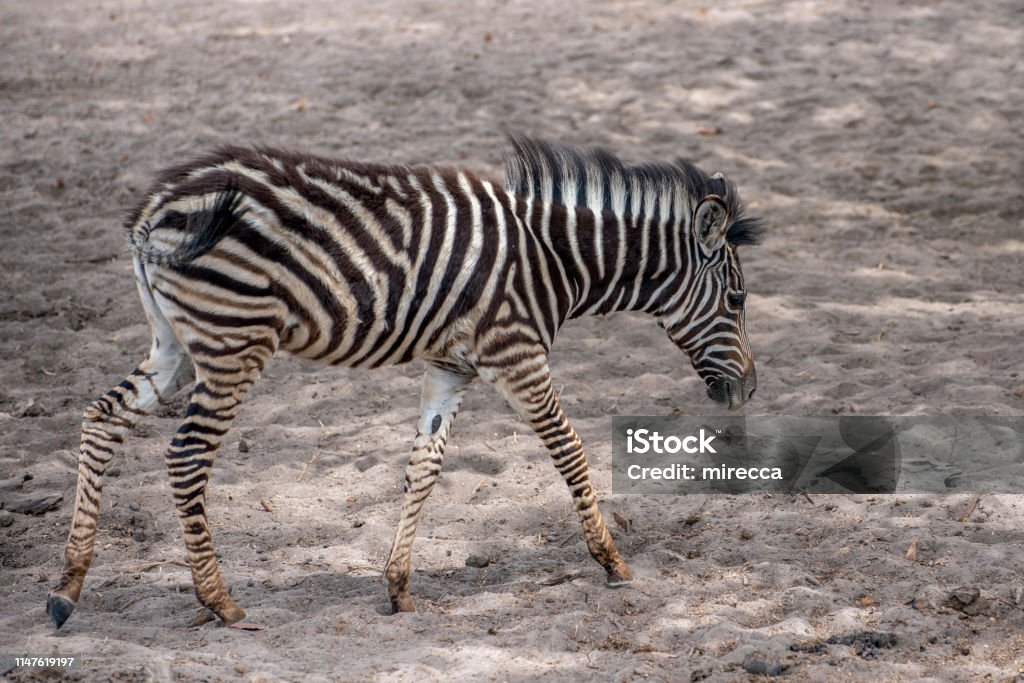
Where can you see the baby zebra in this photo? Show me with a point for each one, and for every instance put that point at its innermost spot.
(248, 252)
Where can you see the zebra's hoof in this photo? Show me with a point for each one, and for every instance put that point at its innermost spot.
(620, 577)
(59, 608)
(231, 614)
(402, 604)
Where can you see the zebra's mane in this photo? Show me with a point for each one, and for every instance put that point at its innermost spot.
(600, 181)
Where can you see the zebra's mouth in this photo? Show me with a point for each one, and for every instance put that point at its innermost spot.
(721, 390)
(731, 392)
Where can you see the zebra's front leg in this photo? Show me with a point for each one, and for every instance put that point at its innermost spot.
(443, 389)
(526, 385)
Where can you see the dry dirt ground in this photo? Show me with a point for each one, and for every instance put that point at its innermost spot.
(879, 140)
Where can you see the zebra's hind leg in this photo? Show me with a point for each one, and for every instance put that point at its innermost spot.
(526, 385)
(221, 386)
(106, 422)
(443, 389)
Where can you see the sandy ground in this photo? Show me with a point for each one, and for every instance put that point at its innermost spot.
(880, 141)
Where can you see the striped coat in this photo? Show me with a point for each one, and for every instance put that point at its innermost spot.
(249, 252)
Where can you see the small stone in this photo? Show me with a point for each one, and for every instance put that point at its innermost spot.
(960, 598)
(35, 503)
(30, 409)
(15, 482)
(866, 643)
(358, 523)
(139, 535)
(134, 507)
(478, 561)
(243, 446)
(759, 664)
(6, 518)
(114, 471)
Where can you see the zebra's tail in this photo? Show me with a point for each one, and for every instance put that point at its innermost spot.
(204, 229)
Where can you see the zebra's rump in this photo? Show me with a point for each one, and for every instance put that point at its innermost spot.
(348, 263)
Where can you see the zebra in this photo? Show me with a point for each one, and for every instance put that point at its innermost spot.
(247, 252)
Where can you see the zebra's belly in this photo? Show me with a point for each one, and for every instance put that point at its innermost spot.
(377, 341)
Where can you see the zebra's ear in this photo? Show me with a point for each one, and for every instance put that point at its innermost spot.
(709, 220)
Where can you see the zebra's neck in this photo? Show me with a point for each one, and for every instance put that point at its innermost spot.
(607, 262)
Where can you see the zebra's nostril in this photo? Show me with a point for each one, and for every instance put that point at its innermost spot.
(719, 390)
(749, 384)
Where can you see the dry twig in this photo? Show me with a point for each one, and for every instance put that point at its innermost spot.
(971, 504)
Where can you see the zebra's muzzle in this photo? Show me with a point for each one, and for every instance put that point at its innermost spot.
(732, 391)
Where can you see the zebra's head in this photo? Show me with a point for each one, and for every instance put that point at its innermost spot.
(705, 316)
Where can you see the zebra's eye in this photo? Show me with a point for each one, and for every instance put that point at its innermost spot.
(737, 298)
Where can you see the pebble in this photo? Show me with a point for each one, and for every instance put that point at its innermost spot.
(139, 535)
(6, 518)
(36, 503)
(961, 597)
(15, 482)
(967, 599)
(30, 409)
(478, 561)
(134, 507)
(757, 663)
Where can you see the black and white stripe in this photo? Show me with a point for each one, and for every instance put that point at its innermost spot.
(248, 252)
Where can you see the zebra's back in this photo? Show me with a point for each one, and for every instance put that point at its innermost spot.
(353, 264)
